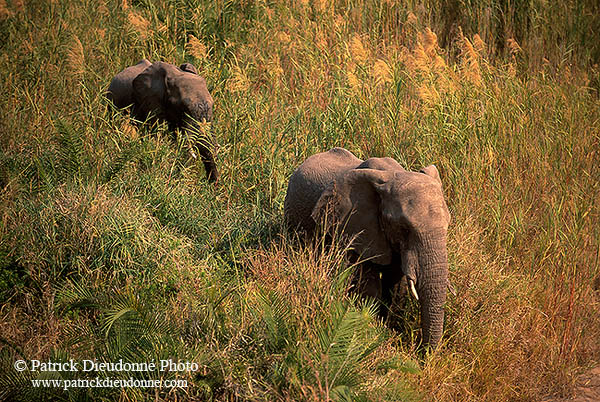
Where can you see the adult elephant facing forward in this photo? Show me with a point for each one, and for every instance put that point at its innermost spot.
(178, 95)
(397, 218)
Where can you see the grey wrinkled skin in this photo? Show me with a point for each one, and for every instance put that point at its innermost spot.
(397, 218)
(178, 95)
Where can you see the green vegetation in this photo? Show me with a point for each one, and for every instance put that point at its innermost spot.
(113, 246)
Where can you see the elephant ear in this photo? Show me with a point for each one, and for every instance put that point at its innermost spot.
(352, 204)
(188, 92)
(432, 172)
(149, 91)
(188, 67)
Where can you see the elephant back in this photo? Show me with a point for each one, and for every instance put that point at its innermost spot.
(308, 182)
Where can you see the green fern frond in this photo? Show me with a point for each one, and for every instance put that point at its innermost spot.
(128, 154)
(74, 295)
(71, 150)
(347, 340)
(274, 312)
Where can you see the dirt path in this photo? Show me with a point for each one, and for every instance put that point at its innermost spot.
(587, 389)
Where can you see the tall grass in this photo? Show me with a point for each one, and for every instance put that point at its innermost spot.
(112, 245)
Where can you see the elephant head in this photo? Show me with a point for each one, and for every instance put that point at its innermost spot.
(390, 211)
(179, 96)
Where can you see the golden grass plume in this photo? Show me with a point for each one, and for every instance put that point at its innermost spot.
(321, 5)
(239, 81)
(478, 44)
(358, 51)
(429, 41)
(196, 48)
(283, 37)
(129, 130)
(102, 9)
(101, 33)
(76, 57)
(382, 73)
(411, 19)
(428, 94)
(470, 62)
(139, 24)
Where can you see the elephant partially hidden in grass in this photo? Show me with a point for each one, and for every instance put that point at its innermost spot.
(178, 95)
(397, 218)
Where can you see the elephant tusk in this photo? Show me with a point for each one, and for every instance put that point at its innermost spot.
(411, 285)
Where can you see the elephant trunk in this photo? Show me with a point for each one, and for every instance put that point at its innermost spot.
(202, 137)
(432, 282)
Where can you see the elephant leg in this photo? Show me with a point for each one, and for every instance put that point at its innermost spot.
(390, 277)
(208, 161)
(367, 281)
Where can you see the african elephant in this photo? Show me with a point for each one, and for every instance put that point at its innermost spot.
(397, 219)
(178, 95)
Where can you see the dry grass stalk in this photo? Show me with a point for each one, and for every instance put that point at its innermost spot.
(129, 130)
(139, 24)
(429, 41)
(470, 62)
(357, 50)
(511, 70)
(513, 47)
(382, 72)
(27, 46)
(339, 23)
(320, 40)
(4, 11)
(353, 81)
(196, 48)
(19, 5)
(75, 57)
(238, 82)
(274, 67)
